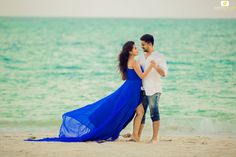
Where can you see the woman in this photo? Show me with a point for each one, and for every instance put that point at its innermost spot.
(104, 119)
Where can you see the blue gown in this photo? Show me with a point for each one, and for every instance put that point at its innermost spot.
(102, 120)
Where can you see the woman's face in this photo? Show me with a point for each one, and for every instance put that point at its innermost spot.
(134, 51)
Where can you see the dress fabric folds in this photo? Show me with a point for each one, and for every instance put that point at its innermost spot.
(104, 119)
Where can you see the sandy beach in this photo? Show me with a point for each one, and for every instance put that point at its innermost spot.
(13, 144)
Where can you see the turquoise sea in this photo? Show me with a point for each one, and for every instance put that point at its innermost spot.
(49, 66)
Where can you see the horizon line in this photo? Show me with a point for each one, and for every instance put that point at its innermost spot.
(106, 17)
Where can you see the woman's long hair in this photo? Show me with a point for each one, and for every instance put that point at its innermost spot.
(123, 58)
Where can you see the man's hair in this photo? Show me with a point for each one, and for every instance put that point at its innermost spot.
(147, 38)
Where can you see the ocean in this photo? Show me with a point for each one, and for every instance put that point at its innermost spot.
(49, 66)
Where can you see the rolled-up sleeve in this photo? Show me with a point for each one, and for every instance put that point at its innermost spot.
(163, 65)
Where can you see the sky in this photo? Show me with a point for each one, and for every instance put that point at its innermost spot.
(119, 8)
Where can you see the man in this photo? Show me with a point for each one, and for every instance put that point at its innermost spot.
(152, 88)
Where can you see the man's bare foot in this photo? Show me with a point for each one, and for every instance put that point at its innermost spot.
(153, 141)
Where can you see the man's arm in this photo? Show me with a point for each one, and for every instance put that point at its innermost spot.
(161, 67)
(160, 71)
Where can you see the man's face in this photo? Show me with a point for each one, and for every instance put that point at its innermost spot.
(144, 46)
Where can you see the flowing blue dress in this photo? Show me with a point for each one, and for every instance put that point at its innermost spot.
(102, 120)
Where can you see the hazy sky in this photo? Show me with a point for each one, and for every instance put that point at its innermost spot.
(119, 8)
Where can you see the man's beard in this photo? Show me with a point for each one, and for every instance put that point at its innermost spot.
(145, 50)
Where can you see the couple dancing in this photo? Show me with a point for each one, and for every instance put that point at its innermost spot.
(105, 119)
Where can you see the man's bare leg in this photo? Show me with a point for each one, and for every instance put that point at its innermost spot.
(155, 127)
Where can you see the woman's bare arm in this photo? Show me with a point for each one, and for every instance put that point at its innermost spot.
(139, 72)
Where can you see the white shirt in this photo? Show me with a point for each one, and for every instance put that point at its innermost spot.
(152, 82)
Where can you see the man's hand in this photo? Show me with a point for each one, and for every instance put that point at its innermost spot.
(153, 63)
(158, 69)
